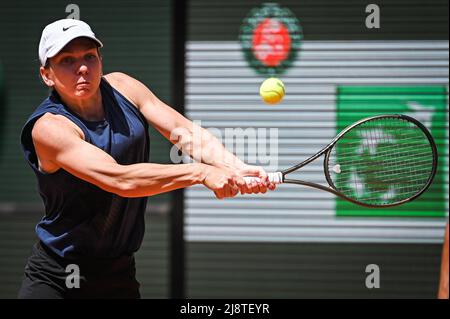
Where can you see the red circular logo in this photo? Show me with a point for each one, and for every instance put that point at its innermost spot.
(271, 42)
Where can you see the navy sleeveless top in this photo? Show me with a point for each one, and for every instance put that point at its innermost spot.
(82, 220)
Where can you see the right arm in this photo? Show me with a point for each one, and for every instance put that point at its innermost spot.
(60, 143)
(443, 280)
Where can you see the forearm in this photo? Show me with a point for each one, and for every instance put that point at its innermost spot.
(147, 179)
(216, 154)
(443, 283)
(204, 147)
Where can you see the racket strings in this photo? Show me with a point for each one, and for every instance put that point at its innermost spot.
(382, 161)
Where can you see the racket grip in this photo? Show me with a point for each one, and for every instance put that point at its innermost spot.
(276, 178)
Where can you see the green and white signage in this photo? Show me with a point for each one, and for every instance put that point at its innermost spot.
(425, 103)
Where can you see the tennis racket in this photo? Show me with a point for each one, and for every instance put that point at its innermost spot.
(380, 161)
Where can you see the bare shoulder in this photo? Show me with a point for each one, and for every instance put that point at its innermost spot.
(53, 130)
(118, 79)
(124, 84)
(53, 134)
(131, 88)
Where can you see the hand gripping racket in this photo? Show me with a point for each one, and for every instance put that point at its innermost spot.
(380, 161)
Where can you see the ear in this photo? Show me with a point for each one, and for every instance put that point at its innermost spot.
(46, 76)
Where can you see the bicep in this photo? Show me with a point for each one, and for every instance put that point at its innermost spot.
(89, 163)
(68, 151)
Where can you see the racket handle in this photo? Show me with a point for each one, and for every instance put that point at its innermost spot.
(276, 178)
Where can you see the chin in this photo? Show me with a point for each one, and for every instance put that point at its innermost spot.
(83, 93)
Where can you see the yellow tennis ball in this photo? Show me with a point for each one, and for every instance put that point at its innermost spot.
(272, 90)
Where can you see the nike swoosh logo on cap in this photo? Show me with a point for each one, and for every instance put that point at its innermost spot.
(67, 28)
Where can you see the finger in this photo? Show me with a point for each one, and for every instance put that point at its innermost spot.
(231, 181)
(251, 171)
(227, 191)
(246, 188)
(255, 188)
(232, 190)
(262, 188)
(235, 191)
(264, 177)
(241, 184)
(251, 186)
(243, 189)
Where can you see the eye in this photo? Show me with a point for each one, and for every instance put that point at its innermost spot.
(90, 57)
(67, 60)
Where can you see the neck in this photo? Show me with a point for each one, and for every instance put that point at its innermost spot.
(90, 109)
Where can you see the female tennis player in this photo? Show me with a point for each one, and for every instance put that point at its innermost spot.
(88, 146)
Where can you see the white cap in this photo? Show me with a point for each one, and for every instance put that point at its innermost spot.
(58, 34)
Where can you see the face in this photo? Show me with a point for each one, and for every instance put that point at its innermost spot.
(75, 72)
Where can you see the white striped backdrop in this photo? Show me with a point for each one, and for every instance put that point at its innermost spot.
(222, 92)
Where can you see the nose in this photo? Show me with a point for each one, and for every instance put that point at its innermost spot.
(82, 69)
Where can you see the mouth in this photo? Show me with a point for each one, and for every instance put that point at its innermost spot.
(82, 84)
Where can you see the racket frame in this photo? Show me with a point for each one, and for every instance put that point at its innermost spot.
(331, 188)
